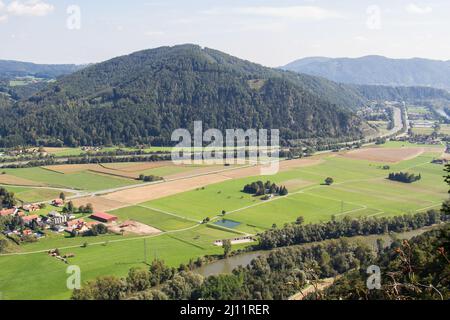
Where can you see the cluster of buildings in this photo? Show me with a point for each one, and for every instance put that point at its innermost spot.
(54, 221)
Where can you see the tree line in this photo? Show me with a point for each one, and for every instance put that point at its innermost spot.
(294, 234)
(404, 177)
(260, 188)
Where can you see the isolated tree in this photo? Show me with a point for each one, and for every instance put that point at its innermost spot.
(62, 196)
(300, 220)
(226, 245)
(329, 181)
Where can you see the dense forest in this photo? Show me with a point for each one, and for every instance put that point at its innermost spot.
(412, 270)
(411, 94)
(143, 97)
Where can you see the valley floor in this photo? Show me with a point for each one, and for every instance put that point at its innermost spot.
(178, 205)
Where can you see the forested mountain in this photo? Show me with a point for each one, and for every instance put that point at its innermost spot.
(377, 70)
(12, 69)
(381, 93)
(143, 97)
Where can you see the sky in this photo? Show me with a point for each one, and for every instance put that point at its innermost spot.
(269, 32)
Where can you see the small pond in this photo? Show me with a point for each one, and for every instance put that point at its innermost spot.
(227, 223)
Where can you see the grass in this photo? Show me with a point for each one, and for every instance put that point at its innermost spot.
(80, 180)
(153, 218)
(360, 189)
(44, 277)
(29, 195)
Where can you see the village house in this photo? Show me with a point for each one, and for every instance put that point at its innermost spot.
(58, 202)
(30, 207)
(8, 212)
(28, 219)
(55, 220)
(103, 217)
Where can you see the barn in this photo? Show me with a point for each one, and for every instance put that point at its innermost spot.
(103, 217)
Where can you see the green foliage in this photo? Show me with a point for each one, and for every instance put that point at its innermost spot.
(404, 177)
(411, 270)
(294, 234)
(7, 199)
(143, 97)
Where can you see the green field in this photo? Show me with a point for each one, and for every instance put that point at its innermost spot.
(29, 195)
(39, 276)
(153, 218)
(81, 181)
(360, 189)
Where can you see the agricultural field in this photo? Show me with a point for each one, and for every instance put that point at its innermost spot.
(360, 189)
(83, 180)
(177, 208)
(42, 276)
(33, 195)
(445, 129)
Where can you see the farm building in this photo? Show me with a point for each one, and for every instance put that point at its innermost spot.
(8, 212)
(103, 217)
(27, 219)
(30, 207)
(58, 202)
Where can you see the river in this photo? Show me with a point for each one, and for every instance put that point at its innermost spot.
(226, 266)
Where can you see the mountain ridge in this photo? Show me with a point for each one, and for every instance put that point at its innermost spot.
(144, 96)
(377, 70)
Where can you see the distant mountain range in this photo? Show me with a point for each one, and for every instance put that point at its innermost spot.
(14, 69)
(144, 96)
(377, 70)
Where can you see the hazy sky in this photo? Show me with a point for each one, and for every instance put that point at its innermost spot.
(270, 32)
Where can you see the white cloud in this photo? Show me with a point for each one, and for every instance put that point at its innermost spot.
(3, 18)
(292, 12)
(34, 8)
(415, 9)
(2, 5)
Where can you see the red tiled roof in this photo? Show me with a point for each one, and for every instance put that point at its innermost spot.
(74, 222)
(103, 216)
(29, 218)
(7, 212)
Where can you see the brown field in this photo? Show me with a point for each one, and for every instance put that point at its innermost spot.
(72, 168)
(136, 167)
(122, 198)
(161, 190)
(100, 203)
(133, 227)
(391, 155)
(12, 180)
(195, 172)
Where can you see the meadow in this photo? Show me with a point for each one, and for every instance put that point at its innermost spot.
(360, 188)
(39, 276)
(84, 180)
